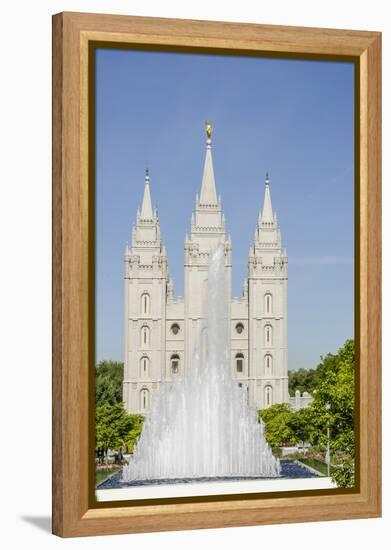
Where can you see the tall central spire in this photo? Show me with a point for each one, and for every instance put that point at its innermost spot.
(208, 189)
(207, 221)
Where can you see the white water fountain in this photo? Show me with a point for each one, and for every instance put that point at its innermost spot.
(202, 426)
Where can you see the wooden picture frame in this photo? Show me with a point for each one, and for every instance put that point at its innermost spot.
(74, 512)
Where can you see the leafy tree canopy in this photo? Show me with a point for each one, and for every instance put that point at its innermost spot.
(302, 380)
(334, 385)
(115, 428)
(278, 428)
(109, 376)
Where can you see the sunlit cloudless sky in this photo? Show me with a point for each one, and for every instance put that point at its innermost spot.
(292, 118)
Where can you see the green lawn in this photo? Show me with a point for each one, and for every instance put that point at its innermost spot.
(316, 464)
(103, 473)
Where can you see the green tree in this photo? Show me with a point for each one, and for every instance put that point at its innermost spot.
(132, 437)
(343, 474)
(302, 424)
(302, 380)
(115, 428)
(109, 376)
(279, 425)
(336, 386)
(334, 380)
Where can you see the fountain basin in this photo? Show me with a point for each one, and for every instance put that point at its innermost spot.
(289, 469)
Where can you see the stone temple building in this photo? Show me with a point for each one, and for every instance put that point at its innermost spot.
(161, 329)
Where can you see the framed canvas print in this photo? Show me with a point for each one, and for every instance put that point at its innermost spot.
(198, 381)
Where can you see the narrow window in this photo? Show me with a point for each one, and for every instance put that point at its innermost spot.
(175, 363)
(268, 335)
(268, 396)
(239, 358)
(144, 399)
(145, 303)
(145, 337)
(268, 364)
(144, 366)
(268, 303)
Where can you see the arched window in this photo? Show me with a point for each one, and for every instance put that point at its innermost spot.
(239, 360)
(144, 337)
(144, 367)
(145, 303)
(175, 360)
(175, 328)
(268, 303)
(268, 396)
(268, 335)
(239, 328)
(268, 364)
(144, 399)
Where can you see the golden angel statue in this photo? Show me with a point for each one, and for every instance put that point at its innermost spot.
(208, 126)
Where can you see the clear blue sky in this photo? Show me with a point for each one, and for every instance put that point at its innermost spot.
(291, 118)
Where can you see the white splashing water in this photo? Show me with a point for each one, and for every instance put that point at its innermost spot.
(202, 426)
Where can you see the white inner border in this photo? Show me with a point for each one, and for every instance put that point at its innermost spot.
(214, 488)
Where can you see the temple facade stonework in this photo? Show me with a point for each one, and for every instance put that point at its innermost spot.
(161, 329)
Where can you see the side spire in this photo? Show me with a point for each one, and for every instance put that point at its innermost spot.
(146, 207)
(267, 211)
(208, 188)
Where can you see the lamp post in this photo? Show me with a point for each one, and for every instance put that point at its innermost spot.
(328, 439)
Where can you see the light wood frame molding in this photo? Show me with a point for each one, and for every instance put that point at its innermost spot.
(73, 512)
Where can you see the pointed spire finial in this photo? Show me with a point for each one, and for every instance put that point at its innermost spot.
(146, 212)
(208, 194)
(267, 180)
(267, 210)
